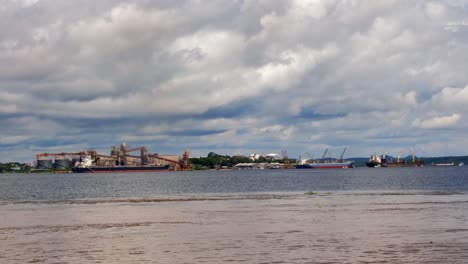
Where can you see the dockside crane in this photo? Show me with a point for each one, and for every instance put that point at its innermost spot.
(286, 161)
(122, 157)
(124, 154)
(184, 163)
(325, 153)
(342, 154)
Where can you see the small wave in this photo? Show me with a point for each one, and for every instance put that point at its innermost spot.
(395, 209)
(424, 203)
(55, 228)
(150, 200)
(456, 230)
(397, 193)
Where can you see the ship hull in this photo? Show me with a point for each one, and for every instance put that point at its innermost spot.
(403, 164)
(334, 165)
(121, 169)
(373, 164)
(443, 164)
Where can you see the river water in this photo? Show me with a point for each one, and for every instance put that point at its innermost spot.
(362, 215)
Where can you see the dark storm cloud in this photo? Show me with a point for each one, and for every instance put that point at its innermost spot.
(237, 109)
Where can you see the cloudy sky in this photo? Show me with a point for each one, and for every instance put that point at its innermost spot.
(234, 77)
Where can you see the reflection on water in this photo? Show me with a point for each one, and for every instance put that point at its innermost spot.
(323, 227)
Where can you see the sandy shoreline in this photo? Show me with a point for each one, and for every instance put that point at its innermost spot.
(292, 228)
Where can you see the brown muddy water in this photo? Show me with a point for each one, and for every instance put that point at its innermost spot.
(262, 227)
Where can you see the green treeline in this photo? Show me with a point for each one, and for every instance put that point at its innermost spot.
(216, 161)
(14, 167)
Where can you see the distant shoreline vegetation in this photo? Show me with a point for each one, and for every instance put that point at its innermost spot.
(10, 167)
(218, 161)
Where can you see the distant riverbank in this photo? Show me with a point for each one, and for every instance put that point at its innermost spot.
(216, 161)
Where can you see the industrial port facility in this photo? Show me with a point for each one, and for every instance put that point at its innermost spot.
(139, 159)
(119, 159)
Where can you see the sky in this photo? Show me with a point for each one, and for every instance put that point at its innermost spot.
(234, 77)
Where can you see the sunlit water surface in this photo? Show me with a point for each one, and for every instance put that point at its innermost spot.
(416, 215)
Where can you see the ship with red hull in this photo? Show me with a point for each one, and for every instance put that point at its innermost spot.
(117, 169)
(119, 160)
(325, 163)
(87, 164)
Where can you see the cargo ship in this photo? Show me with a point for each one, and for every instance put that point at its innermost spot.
(85, 165)
(443, 164)
(377, 162)
(95, 169)
(383, 162)
(324, 163)
(406, 163)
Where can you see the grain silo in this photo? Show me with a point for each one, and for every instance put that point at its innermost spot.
(44, 163)
(62, 163)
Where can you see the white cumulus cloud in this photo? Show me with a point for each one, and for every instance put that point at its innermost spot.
(438, 122)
